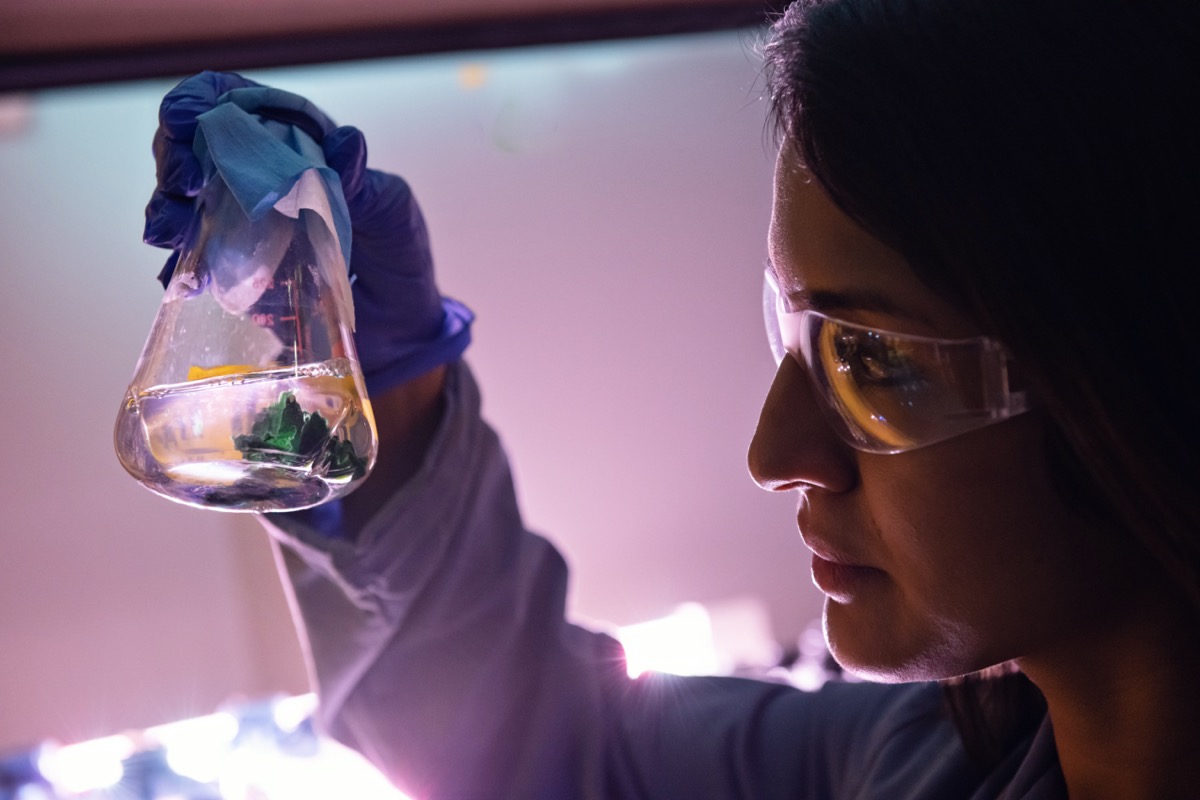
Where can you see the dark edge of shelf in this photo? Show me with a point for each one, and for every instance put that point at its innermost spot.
(54, 70)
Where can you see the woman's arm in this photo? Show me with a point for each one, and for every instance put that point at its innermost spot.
(435, 630)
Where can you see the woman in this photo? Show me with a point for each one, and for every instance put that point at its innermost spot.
(983, 144)
(982, 216)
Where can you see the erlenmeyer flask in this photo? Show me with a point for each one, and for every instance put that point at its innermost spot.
(248, 395)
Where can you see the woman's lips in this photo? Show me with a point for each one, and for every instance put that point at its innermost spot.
(841, 581)
(840, 573)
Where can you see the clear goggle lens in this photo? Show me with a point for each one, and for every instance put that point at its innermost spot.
(892, 392)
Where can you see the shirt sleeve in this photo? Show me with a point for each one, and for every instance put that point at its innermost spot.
(437, 642)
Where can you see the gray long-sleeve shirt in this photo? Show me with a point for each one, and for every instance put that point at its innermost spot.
(437, 642)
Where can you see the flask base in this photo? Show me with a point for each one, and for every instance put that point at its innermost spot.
(239, 486)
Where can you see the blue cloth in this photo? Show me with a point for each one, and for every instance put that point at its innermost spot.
(437, 638)
(261, 159)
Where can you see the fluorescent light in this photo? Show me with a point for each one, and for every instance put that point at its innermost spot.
(196, 748)
(680, 643)
(87, 766)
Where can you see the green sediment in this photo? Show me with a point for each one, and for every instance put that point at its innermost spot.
(284, 433)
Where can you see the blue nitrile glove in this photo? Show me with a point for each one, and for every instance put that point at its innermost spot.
(404, 327)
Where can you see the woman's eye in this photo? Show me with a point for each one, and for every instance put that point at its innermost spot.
(872, 361)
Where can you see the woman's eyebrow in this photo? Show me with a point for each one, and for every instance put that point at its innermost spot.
(827, 300)
(832, 301)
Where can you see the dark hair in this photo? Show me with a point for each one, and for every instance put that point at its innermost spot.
(1035, 163)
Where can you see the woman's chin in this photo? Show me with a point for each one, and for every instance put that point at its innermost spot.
(890, 653)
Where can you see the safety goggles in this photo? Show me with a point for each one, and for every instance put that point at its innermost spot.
(893, 392)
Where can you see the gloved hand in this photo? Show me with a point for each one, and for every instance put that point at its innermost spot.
(404, 326)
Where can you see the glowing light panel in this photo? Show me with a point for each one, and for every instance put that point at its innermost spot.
(680, 643)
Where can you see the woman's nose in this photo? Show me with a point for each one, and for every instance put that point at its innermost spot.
(794, 446)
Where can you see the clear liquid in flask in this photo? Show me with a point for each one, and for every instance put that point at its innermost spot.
(265, 440)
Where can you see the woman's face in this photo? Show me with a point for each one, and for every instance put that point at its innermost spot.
(941, 560)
